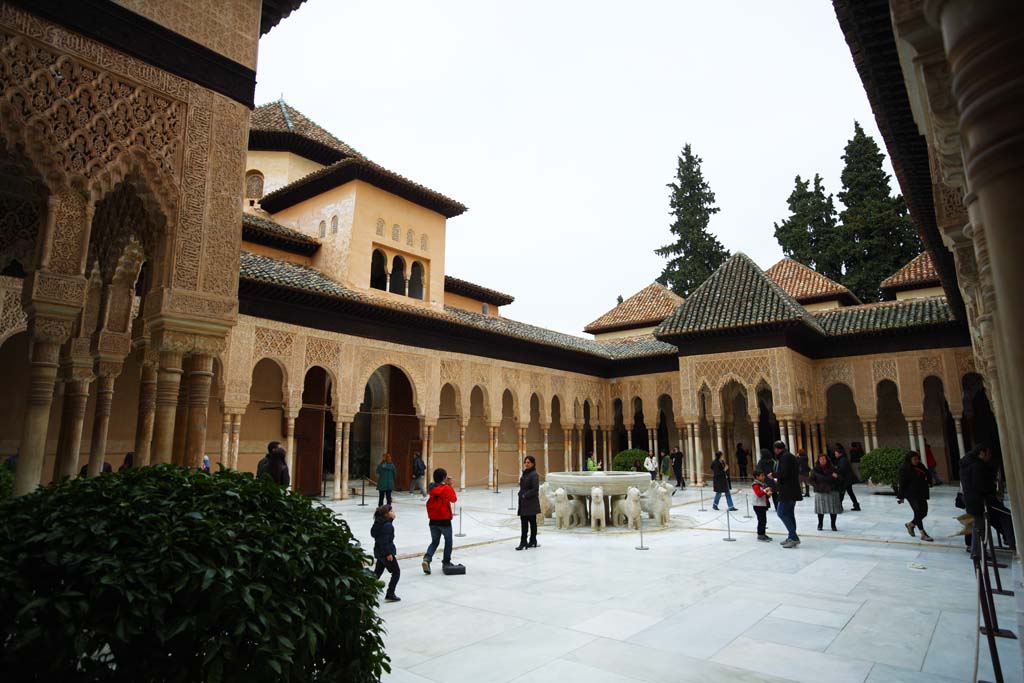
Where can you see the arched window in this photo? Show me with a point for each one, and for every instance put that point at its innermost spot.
(380, 227)
(323, 228)
(423, 242)
(416, 280)
(378, 270)
(334, 225)
(253, 185)
(396, 232)
(398, 275)
(410, 238)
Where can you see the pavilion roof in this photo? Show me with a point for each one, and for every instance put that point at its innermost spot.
(887, 316)
(649, 306)
(919, 272)
(262, 230)
(807, 285)
(475, 291)
(738, 296)
(279, 126)
(273, 11)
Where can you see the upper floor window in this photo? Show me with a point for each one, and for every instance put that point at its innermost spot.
(253, 185)
(398, 275)
(396, 232)
(410, 238)
(334, 225)
(416, 280)
(423, 242)
(323, 228)
(379, 270)
(380, 227)
(485, 309)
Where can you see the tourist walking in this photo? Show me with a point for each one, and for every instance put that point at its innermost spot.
(827, 483)
(914, 482)
(762, 494)
(767, 465)
(264, 463)
(741, 460)
(856, 453)
(419, 472)
(440, 496)
(129, 462)
(529, 503)
(929, 459)
(205, 467)
(651, 465)
(677, 467)
(805, 471)
(847, 475)
(277, 468)
(385, 479)
(722, 484)
(787, 477)
(384, 550)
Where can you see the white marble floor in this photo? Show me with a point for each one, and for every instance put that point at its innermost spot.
(866, 603)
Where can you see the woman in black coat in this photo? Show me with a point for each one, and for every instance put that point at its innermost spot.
(529, 502)
(915, 479)
(720, 468)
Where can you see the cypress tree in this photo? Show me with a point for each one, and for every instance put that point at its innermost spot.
(878, 235)
(695, 253)
(811, 234)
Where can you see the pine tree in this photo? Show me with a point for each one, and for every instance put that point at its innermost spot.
(695, 253)
(877, 233)
(811, 234)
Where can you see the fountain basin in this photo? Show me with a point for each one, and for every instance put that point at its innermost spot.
(611, 483)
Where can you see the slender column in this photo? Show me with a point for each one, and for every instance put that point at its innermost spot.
(430, 448)
(819, 439)
(101, 423)
(42, 377)
(579, 446)
(167, 385)
(566, 449)
(462, 455)
(490, 457)
(958, 420)
(812, 442)
(874, 434)
(236, 432)
(756, 453)
(629, 438)
(910, 431)
(920, 441)
(339, 437)
(720, 436)
(867, 434)
(547, 469)
(181, 414)
(346, 436)
(200, 378)
(289, 435)
(225, 440)
(608, 455)
(76, 399)
(147, 412)
(699, 465)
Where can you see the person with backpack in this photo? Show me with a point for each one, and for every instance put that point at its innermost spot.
(440, 496)
(384, 550)
(419, 471)
(787, 479)
(914, 482)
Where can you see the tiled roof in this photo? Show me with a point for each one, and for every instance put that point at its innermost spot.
(266, 270)
(807, 285)
(886, 316)
(263, 230)
(478, 292)
(649, 306)
(346, 170)
(737, 296)
(273, 11)
(920, 272)
(277, 124)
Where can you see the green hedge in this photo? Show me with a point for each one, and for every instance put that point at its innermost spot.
(171, 574)
(882, 465)
(6, 482)
(623, 461)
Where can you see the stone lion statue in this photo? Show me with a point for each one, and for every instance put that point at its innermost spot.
(626, 511)
(597, 508)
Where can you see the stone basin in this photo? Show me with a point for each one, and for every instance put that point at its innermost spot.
(612, 483)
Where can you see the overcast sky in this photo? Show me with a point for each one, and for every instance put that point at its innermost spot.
(559, 124)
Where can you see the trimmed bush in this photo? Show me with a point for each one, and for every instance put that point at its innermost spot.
(171, 574)
(882, 465)
(623, 460)
(6, 482)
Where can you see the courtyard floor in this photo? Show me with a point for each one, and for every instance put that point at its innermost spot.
(866, 603)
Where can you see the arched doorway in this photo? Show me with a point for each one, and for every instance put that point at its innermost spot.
(620, 441)
(979, 422)
(445, 446)
(842, 423)
(535, 435)
(767, 424)
(892, 425)
(939, 429)
(477, 437)
(314, 433)
(387, 422)
(506, 460)
(668, 434)
(639, 430)
(264, 418)
(556, 437)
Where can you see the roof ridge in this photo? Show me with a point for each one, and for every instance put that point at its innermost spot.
(284, 113)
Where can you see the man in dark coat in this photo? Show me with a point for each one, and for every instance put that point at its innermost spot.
(529, 502)
(978, 480)
(741, 460)
(787, 477)
(677, 467)
(263, 464)
(849, 479)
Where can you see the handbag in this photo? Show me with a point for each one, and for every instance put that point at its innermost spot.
(959, 502)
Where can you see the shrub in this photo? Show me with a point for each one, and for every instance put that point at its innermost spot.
(6, 482)
(623, 460)
(882, 465)
(170, 574)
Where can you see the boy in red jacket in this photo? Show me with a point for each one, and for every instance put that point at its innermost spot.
(441, 495)
(762, 493)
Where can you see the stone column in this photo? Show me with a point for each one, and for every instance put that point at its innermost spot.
(910, 431)
(289, 435)
(225, 439)
(167, 385)
(609, 456)
(101, 422)
(920, 441)
(629, 438)
(756, 453)
(346, 436)
(200, 378)
(547, 468)
(147, 411)
(699, 464)
(462, 454)
(430, 448)
(867, 434)
(490, 457)
(567, 449)
(339, 438)
(76, 399)
(819, 438)
(44, 352)
(579, 446)
(812, 442)
(958, 420)
(236, 432)
(181, 414)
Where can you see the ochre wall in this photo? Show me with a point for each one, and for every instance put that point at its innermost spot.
(279, 168)
(465, 303)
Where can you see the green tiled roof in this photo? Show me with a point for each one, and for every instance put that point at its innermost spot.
(737, 296)
(886, 316)
(266, 270)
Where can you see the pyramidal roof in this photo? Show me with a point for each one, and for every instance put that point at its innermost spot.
(649, 306)
(919, 272)
(279, 126)
(737, 296)
(807, 285)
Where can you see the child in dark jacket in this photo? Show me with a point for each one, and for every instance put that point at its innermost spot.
(384, 550)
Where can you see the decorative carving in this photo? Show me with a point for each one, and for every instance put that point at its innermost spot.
(965, 364)
(451, 371)
(837, 373)
(322, 352)
(254, 185)
(884, 369)
(396, 232)
(380, 227)
(424, 243)
(12, 315)
(410, 238)
(273, 343)
(930, 365)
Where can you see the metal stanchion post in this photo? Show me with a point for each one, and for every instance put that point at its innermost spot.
(496, 473)
(460, 534)
(702, 509)
(642, 546)
(511, 499)
(363, 494)
(987, 592)
(746, 497)
(998, 590)
(728, 526)
(986, 616)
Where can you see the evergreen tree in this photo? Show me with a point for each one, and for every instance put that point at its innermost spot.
(877, 233)
(811, 234)
(618, 300)
(695, 253)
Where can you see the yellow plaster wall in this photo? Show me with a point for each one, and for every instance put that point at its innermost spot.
(333, 257)
(619, 334)
(279, 168)
(465, 303)
(822, 305)
(920, 293)
(278, 254)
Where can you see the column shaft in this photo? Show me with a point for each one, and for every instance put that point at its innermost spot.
(960, 435)
(462, 456)
(339, 437)
(167, 385)
(910, 431)
(76, 399)
(147, 412)
(547, 467)
(225, 440)
(100, 423)
(490, 457)
(290, 446)
(42, 377)
(236, 433)
(346, 436)
(181, 414)
(200, 379)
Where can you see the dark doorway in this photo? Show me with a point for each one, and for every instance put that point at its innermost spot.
(311, 428)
